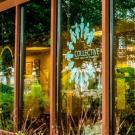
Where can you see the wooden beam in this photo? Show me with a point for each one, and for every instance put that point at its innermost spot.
(53, 68)
(17, 77)
(105, 67)
(7, 4)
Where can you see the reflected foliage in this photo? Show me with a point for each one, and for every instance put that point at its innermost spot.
(89, 9)
(81, 90)
(124, 9)
(124, 59)
(7, 27)
(6, 107)
(7, 36)
(126, 115)
(35, 112)
(37, 31)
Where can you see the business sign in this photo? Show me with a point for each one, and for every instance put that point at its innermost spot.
(85, 54)
(80, 54)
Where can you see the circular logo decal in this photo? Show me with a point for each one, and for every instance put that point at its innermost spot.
(79, 53)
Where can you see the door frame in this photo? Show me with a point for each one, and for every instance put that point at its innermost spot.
(105, 65)
(5, 5)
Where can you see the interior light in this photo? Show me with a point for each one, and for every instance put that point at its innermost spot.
(98, 33)
(37, 49)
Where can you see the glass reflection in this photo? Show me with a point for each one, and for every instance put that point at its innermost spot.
(7, 32)
(81, 87)
(124, 66)
(36, 93)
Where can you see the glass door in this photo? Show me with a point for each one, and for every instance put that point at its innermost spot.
(80, 89)
(123, 50)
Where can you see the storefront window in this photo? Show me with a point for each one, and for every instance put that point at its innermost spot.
(124, 67)
(7, 32)
(36, 73)
(81, 71)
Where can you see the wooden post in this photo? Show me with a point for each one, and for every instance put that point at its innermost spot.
(17, 78)
(53, 68)
(105, 67)
(5, 5)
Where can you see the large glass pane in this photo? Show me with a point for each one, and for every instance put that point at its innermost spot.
(81, 88)
(36, 74)
(124, 66)
(7, 51)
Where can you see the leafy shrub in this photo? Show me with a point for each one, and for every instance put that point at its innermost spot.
(35, 101)
(6, 106)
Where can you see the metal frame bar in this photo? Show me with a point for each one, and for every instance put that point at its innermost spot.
(105, 67)
(59, 47)
(17, 66)
(53, 68)
(22, 55)
(111, 94)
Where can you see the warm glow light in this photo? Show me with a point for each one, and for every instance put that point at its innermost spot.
(122, 65)
(98, 33)
(37, 49)
(131, 48)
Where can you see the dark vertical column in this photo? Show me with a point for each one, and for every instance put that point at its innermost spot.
(22, 57)
(112, 102)
(59, 54)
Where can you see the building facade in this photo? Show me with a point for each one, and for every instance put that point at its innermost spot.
(67, 67)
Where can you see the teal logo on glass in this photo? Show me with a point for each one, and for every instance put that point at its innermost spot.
(79, 55)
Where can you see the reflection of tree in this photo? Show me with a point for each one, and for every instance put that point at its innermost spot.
(125, 103)
(88, 106)
(78, 8)
(6, 107)
(124, 16)
(37, 22)
(37, 26)
(6, 64)
(124, 9)
(7, 27)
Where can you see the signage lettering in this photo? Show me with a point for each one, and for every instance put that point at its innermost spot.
(90, 53)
